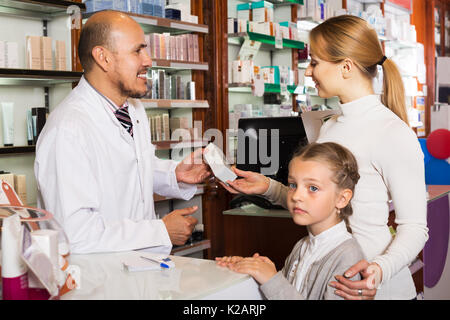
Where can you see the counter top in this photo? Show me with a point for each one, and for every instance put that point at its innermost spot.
(434, 192)
(254, 210)
(103, 277)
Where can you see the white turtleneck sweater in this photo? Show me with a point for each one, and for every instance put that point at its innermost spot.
(391, 166)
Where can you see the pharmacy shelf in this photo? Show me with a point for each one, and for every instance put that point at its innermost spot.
(268, 42)
(307, 23)
(268, 88)
(200, 191)
(400, 44)
(40, 9)
(193, 247)
(19, 77)
(180, 65)
(159, 25)
(174, 104)
(169, 145)
(17, 150)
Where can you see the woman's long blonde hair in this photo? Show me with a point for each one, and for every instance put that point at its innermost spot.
(351, 37)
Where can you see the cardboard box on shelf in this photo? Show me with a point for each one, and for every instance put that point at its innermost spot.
(46, 53)
(33, 54)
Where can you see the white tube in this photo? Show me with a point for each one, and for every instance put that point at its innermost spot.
(8, 123)
(29, 128)
(14, 271)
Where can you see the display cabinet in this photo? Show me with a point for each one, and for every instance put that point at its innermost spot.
(25, 87)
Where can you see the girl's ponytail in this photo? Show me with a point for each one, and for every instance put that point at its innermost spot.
(393, 91)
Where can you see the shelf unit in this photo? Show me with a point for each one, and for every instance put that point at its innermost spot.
(267, 42)
(271, 51)
(160, 25)
(174, 104)
(44, 78)
(39, 9)
(179, 65)
(14, 150)
(35, 88)
(268, 88)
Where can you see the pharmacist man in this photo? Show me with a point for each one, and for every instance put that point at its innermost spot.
(97, 175)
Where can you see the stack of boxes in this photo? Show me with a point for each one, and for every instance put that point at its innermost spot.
(156, 8)
(39, 54)
(162, 127)
(18, 182)
(165, 86)
(258, 17)
(244, 72)
(9, 54)
(182, 47)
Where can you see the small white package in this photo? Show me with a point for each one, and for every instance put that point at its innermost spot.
(215, 158)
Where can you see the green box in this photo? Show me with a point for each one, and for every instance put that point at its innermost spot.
(261, 4)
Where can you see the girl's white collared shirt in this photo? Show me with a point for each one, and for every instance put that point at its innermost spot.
(316, 247)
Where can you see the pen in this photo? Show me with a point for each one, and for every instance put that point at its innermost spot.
(161, 264)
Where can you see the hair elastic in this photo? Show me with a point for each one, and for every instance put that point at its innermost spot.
(382, 60)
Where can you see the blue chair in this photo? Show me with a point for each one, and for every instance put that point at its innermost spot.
(437, 171)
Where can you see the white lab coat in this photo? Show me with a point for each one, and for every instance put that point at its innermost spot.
(98, 181)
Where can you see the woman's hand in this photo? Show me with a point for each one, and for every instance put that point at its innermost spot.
(251, 183)
(364, 289)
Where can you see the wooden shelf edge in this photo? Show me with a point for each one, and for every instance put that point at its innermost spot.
(192, 248)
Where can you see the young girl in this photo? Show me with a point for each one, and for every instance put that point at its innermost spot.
(322, 179)
(345, 54)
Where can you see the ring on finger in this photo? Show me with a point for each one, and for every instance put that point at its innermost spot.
(360, 292)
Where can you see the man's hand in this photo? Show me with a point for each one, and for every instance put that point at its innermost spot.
(193, 169)
(180, 224)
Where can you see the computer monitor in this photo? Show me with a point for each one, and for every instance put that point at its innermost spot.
(266, 145)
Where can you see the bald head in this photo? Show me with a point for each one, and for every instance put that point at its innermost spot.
(98, 31)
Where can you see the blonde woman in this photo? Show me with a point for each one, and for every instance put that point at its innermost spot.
(345, 53)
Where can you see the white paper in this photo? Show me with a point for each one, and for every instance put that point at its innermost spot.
(215, 158)
(135, 263)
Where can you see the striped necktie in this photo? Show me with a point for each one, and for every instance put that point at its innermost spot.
(124, 118)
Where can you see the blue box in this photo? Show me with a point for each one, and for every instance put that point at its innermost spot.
(98, 5)
(173, 14)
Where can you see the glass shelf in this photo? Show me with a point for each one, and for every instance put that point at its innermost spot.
(42, 9)
(18, 77)
(268, 42)
(268, 88)
(179, 65)
(174, 104)
(160, 25)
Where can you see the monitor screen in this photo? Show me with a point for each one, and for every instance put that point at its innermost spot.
(266, 145)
